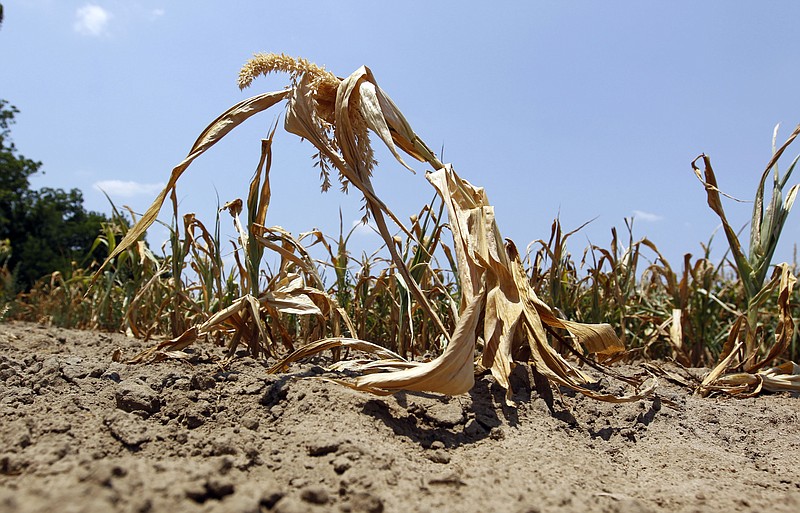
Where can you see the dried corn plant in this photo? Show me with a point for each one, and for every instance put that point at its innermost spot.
(497, 306)
(553, 271)
(515, 319)
(746, 351)
(690, 313)
(256, 316)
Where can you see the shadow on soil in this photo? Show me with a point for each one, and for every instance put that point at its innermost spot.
(484, 414)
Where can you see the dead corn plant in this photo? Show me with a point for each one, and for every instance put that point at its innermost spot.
(256, 318)
(690, 313)
(555, 275)
(496, 305)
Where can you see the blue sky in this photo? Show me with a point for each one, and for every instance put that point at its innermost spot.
(581, 109)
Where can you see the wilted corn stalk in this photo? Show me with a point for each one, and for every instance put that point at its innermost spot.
(559, 280)
(418, 254)
(335, 116)
(619, 283)
(693, 311)
(215, 290)
(255, 317)
(743, 353)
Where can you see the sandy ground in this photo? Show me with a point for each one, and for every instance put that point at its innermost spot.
(79, 432)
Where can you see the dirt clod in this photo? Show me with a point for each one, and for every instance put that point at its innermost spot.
(134, 395)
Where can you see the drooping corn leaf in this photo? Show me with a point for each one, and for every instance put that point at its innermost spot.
(514, 315)
(332, 343)
(709, 181)
(288, 298)
(212, 134)
(451, 373)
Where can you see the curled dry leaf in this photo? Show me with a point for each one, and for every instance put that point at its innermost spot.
(288, 298)
(783, 378)
(780, 378)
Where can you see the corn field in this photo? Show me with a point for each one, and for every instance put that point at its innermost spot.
(445, 296)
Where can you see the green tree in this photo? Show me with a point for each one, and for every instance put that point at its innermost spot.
(15, 170)
(47, 229)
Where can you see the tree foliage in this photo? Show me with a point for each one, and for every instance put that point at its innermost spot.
(46, 229)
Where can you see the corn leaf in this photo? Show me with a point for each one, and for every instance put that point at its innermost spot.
(212, 134)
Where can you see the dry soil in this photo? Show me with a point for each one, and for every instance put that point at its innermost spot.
(81, 433)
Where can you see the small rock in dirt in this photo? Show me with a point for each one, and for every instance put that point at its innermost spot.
(97, 370)
(171, 379)
(193, 420)
(50, 374)
(341, 464)
(250, 422)
(488, 420)
(253, 388)
(364, 503)
(127, 428)
(73, 368)
(439, 456)
(323, 447)
(290, 505)
(473, 428)
(223, 445)
(134, 395)
(227, 376)
(218, 488)
(298, 482)
(175, 406)
(315, 495)
(450, 477)
(446, 414)
(197, 413)
(353, 451)
(203, 382)
(497, 433)
(111, 375)
(274, 391)
(7, 370)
